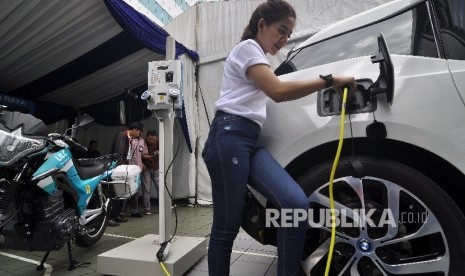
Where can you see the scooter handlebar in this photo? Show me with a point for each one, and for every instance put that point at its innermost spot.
(74, 144)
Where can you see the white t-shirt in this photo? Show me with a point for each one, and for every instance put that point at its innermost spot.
(239, 95)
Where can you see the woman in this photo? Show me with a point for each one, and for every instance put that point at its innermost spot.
(233, 153)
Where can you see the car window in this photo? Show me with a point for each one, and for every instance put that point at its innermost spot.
(409, 33)
(451, 16)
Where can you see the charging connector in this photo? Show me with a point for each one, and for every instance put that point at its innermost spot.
(164, 250)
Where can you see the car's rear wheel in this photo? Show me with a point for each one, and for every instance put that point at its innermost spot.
(406, 224)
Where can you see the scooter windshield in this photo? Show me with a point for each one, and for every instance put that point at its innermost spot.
(14, 146)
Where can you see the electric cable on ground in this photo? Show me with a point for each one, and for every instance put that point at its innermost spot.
(164, 269)
(331, 180)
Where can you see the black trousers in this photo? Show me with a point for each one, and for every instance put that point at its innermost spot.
(116, 206)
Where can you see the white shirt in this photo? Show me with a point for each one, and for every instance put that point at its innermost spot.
(239, 95)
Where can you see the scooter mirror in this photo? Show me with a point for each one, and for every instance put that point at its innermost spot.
(84, 120)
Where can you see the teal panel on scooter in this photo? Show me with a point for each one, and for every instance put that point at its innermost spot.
(57, 161)
(85, 188)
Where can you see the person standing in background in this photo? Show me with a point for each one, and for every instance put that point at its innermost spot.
(150, 172)
(92, 150)
(128, 144)
(138, 148)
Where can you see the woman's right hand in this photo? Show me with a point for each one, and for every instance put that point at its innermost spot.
(340, 81)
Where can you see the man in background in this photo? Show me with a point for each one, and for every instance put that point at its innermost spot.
(150, 172)
(92, 150)
(130, 147)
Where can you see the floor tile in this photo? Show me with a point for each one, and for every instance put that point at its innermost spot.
(248, 257)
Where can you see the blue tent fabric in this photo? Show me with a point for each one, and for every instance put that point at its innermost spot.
(148, 33)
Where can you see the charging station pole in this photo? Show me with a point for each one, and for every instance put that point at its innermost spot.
(141, 256)
(165, 128)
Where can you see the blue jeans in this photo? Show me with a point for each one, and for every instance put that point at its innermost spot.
(234, 157)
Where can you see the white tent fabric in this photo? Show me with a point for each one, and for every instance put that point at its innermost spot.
(213, 28)
(39, 37)
(34, 31)
(116, 76)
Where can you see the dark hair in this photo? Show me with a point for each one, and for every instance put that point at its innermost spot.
(136, 125)
(152, 133)
(93, 142)
(271, 11)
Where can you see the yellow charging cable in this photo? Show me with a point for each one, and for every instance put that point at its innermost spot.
(331, 180)
(164, 269)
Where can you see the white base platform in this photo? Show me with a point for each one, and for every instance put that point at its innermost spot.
(138, 257)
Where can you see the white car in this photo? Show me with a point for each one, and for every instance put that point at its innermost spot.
(404, 146)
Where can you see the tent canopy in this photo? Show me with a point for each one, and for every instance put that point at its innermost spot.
(68, 55)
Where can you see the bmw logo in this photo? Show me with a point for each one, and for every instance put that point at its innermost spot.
(365, 246)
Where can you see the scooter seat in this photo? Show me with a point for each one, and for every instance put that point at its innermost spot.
(92, 167)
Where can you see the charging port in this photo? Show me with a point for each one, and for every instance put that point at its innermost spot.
(359, 101)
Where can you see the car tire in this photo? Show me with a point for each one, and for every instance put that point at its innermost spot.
(384, 249)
